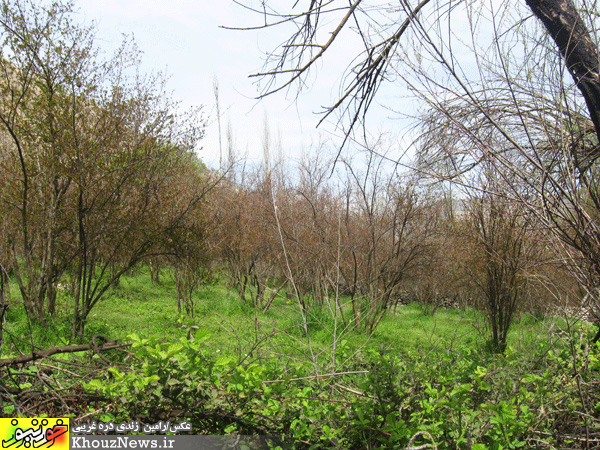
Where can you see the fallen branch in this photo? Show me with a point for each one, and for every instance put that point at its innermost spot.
(312, 377)
(421, 447)
(354, 391)
(107, 345)
(569, 437)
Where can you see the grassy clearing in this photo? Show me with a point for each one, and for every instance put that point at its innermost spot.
(139, 306)
(142, 307)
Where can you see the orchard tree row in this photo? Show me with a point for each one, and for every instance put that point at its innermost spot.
(359, 242)
(98, 174)
(97, 165)
(504, 102)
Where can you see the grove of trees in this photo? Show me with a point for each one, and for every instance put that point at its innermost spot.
(369, 238)
(507, 109)
(494, 206)
(98, 170)
(99, 175)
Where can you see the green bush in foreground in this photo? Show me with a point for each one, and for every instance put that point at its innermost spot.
(458, 399)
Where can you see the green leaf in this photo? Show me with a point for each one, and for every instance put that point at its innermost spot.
(481, 371)
(96, 384)
(531, 378)
(202, 335)
(173, 349)
(224, 361)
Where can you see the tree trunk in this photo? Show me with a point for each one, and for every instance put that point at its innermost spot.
(4, 296)
(567, 29)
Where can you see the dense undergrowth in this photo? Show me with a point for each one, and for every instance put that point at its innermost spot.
(421, 380)
(459, 399)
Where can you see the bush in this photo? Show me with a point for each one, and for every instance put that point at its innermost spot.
(459, 399)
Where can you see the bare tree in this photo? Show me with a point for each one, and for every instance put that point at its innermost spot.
(244, 234)
(499, 85)
(381, 29)
(4, 301)
(389, 227)
(503, 251)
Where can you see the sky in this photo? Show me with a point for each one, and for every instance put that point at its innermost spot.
(188, 40)
(185, 38)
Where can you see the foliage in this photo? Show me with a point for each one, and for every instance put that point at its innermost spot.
(418, 373)
(462, 398)
(97, 166)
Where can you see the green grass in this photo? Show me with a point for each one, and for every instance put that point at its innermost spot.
(136, 306)
(142, 307)
(147, 309)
